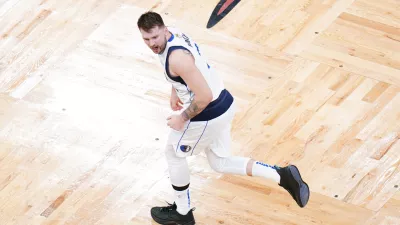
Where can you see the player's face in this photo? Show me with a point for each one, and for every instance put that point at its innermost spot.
(155, 39)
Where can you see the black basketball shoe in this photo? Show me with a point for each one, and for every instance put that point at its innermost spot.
(169, 215)
(292, 182)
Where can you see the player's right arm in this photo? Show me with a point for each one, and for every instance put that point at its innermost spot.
(182, 64)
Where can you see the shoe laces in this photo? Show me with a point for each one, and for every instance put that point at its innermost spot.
(171, 207)
(168, 208)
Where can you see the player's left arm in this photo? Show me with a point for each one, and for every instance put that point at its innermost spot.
(182, 64)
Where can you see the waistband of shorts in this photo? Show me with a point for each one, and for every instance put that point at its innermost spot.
(216, 108)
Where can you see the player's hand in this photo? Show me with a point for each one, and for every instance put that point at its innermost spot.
(176, 122)
(175, 102)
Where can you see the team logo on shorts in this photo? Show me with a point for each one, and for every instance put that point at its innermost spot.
(185, 148)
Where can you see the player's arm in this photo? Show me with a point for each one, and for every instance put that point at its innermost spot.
(181, 63)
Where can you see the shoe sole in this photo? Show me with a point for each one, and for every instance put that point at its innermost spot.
(304, 194)
(171, 223)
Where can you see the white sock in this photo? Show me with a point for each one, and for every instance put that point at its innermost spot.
(182, 200)
(264, 170)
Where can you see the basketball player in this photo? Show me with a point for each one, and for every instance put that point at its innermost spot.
(204, 113)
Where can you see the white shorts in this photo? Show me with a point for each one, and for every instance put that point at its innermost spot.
(214, 134)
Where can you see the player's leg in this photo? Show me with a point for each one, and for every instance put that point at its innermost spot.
(181, 144)
(179, 175)
(179, 212)
(242, 166)
(287, 177)
(221, 160)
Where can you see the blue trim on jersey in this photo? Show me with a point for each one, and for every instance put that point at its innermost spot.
(171, 38)
(188, 195)
(177, 79)
(197, 47)
(216, 108)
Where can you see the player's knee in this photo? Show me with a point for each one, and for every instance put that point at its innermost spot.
(168, 151)
(218, 164)
(170, 155)
(218, 168)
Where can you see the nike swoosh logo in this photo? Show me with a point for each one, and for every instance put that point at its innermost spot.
(220, 11)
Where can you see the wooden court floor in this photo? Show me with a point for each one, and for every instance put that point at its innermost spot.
(83, 107)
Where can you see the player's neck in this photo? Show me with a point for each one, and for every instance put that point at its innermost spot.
(168, 36)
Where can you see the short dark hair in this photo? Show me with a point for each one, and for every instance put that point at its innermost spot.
(149, 20)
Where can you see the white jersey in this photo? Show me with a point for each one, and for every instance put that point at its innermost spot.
(179, 40)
